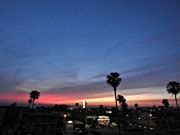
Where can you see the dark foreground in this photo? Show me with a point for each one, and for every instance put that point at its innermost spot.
(42, 121)
(114, 131)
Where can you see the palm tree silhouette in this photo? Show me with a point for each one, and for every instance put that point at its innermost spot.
(174, 88)
(123, 103)
(114, 80)
(124, 106)
(33, 96)
(29, 102)
(120, 98)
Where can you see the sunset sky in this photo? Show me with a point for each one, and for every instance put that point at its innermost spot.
(65, 49)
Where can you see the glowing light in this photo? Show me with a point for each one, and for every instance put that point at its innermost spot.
(69, 121)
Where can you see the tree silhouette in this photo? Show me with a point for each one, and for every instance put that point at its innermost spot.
(77, 106)
(114, 80)
(101, 109)
(29, 102)
(165, 102)
(174, 88)
(136, 106)
(33, 96)
(61, 107)
(124, 106)
(123, 103)
(120, 98)
(166, 106)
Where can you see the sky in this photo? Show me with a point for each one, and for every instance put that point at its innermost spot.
(65, 49)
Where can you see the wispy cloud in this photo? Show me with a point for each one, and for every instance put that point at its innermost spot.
(170, 38)
(70, 55)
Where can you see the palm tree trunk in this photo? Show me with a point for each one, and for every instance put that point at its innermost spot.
(176, 102)
(115, 98)
(33, 104)
(117, 113)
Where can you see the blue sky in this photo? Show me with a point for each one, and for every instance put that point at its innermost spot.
(68, 47)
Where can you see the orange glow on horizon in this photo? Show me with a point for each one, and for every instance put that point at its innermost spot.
(45, 98)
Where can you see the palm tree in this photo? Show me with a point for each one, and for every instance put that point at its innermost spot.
(174, 88)
(114, 80)
(123, 103)
(120, 98)
(165, 102)
(29, 102)
(33, 96)
(124, 106)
